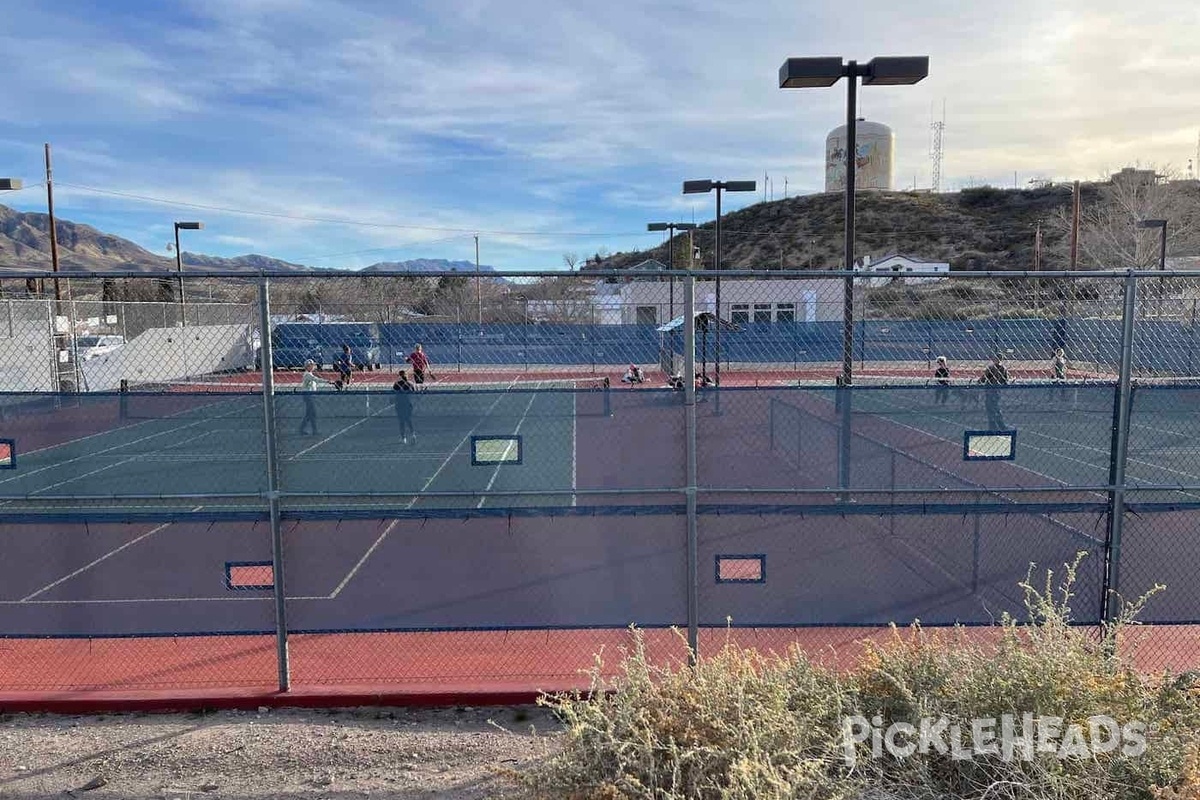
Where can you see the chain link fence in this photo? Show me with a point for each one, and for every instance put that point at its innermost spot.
(460, 482)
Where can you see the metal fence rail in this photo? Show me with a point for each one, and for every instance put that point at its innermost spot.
(579, 454)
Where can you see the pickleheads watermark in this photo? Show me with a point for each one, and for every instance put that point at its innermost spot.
(1010, 738)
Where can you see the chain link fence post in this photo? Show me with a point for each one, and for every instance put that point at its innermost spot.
(268, 389)
(689, 406)
(1119, 455)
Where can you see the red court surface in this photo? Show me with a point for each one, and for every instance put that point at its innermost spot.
(412, 668)
(481, 582)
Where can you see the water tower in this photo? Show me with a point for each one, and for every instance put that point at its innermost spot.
(875, 145)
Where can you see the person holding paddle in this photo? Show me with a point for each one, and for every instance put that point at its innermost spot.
(308, 385)
(420, 365)
(403, 404)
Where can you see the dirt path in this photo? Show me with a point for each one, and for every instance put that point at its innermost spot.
(376, 753)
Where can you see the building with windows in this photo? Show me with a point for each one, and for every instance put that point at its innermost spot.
(646, 302)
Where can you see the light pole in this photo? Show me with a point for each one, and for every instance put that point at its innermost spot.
(187, 226)
(807, 73)
(14, 185)
(671, 227)
(1161, 224)
(704, 187)
(525, 326)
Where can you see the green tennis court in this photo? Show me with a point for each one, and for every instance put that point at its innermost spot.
(467, 443)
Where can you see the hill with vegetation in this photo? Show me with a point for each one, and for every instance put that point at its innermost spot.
(982, 228)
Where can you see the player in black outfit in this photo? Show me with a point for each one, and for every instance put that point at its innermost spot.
(941, 377)
(994, 375)
(402, 392)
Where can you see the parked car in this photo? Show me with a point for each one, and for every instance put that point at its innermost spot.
(89, 347)
(293, 343)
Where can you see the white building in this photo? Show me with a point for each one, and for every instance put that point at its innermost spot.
(895, 268)
(646, 302)
(607, 302)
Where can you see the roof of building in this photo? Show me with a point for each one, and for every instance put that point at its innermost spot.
(650, 265)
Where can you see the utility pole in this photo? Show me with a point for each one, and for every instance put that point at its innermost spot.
(64, 372)
(53, 230)
(1075, 227)
(1037, 266)
(1074, 239)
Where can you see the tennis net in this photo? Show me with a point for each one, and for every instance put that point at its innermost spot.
(896, 395)
(586, 396)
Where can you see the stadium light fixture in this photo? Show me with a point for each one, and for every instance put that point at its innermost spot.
(704, 187)
(186, 226)
(806, 73)
(671, 227)
(823, 72)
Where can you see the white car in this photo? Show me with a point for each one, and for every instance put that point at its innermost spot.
(89, 347)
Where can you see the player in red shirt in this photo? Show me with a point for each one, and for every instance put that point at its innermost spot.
(420, 365)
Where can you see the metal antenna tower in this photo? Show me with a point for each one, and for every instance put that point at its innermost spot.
(935, 150)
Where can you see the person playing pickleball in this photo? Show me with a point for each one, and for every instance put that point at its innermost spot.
(402, 402)
(993, 376)
(308, 385)
(420, 365)
(344, 364)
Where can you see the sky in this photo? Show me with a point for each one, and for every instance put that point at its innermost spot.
(340, 133)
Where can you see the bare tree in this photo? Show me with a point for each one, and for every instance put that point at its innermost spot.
(1109, 236)
(568, 299)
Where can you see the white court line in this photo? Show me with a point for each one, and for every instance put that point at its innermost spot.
(496, 473)
(354, 570)
(1071, 444)
(335, 435)
(28, 453)
(1052, 453)
(86, 456)
(936, 437)
(104, 557)
(109, 466)
(118, 601)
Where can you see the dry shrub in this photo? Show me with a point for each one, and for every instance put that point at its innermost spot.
(740, 724)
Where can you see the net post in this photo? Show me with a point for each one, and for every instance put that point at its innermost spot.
(607, 389)
(268, 391)
(1119, 455)
(123, 400)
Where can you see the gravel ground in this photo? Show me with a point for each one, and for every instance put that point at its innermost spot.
(375, 752)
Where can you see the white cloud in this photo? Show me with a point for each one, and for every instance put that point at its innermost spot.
(536, 117)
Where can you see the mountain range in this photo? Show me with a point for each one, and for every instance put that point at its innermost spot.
(981, 228)
(25, 243)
